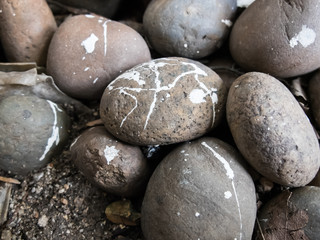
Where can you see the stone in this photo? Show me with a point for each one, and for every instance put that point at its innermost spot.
(26, 30)
(32, 131)
(164, 101)
(87, 52)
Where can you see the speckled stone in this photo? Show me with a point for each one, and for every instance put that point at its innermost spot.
(192, 29)
(271, 130)
(163, 101)
(88, 51)
(200, 190)
(26, 30)
(115, 167)
(32, 130)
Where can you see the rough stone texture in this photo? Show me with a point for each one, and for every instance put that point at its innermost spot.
(291, 215)
(186, 28)
(278, 37)
(314, 90)
(115, 167)
(200, 190)
(106, 8)
(163, 101)
(271, 130)
(26, 29)
(32, 130)
(87, 52)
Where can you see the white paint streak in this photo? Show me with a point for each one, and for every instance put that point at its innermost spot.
(86, 69)
(244, 3)
(95, 80)
(105, 36)
(74, 142)
(305, 37)
(227, 22)
(89, 16)
(89, 43)
(230, 175)
(54, 138)
(110, 153)
(136, 105)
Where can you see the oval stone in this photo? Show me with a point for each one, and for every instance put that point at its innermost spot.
(192, 29)
(115, 167)
(271, 130)
(278, 37)
(26, 30)
(163, 101)
(87, 52)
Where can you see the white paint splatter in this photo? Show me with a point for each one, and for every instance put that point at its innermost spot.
(305, 37)
(54, 138)
(110, 153)
(227, 194)
(197, 96)
(86, 69)
(230, 175)
(178, 213)
(185, 45)
(197, 214)
(89, 43)
(95, 80)
(83, 58)
(227, 22)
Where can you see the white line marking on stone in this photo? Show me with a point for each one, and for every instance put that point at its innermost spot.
(105, 36)
(54, 138)
(230, 175)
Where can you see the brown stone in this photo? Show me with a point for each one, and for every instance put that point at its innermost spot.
(164, 101)
(26, 30)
